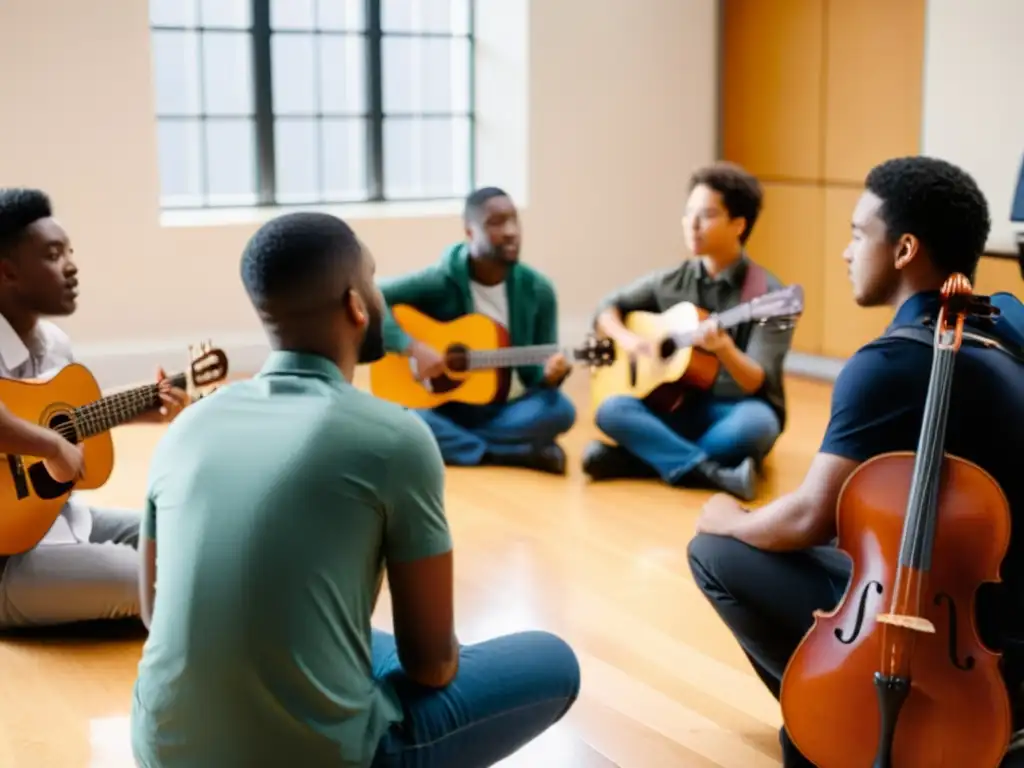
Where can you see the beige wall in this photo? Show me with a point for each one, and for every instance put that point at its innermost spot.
(595, 114)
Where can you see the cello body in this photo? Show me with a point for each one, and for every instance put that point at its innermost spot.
(957, 702)
(897, 675)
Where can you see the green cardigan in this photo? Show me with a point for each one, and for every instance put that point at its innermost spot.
(442, 292)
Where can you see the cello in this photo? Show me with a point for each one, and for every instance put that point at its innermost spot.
(897, 675)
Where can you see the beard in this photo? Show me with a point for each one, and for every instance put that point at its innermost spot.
(371, 349)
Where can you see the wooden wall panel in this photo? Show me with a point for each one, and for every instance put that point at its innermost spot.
(787, 241)
(815, 93)
(847, 326)
(772, 77)
(874, 84)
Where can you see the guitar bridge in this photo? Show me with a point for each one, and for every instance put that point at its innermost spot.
(17, 467)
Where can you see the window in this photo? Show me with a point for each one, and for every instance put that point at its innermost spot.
(304, 102)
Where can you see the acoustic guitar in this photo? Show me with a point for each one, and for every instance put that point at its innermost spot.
(477, 356)
(676, 367)
(72, 404)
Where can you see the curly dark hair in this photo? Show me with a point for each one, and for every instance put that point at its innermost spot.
(19, 209)
(741, 192)
(936, 202)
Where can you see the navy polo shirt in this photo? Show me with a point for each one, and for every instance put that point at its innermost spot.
(878, 406)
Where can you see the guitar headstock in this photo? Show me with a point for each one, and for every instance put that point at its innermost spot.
(208, 366)
(596, 352)
(785, 303)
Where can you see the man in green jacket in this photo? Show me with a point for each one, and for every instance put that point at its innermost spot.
(483, 275)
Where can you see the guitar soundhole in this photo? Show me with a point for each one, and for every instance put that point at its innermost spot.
(668, 348)
(61, 422)
(457, 358)
(44, 485)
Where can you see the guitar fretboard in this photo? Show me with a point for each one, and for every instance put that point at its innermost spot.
(511, 357)
(117, 409)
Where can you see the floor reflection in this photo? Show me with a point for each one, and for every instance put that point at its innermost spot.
(110, 747)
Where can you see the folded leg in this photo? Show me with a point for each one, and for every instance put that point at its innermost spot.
(507, 692)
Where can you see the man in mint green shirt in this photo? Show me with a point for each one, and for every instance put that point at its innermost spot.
(274, 508)
(483, 275)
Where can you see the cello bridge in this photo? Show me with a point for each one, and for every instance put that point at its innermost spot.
(914, 623)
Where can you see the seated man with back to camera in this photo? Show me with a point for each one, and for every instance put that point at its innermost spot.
(715, 438)
(276, 505)
(484, 275)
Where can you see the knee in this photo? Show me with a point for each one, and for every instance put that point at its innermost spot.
(760, 427)
(562, 413)
(615, 412)
(557, 664)
(711, 559)
(764, 422)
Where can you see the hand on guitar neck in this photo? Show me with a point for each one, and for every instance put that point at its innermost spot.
(172, 401)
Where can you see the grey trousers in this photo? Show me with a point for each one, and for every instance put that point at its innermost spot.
(67, 583)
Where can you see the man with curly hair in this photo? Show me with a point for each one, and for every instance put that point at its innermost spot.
(767, 571)
(85, 567)
(716, 438)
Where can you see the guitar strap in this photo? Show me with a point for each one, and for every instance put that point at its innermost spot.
(755, 283)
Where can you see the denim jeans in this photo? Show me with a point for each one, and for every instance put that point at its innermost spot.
(507, 692)
(723, 431)
(466, 432)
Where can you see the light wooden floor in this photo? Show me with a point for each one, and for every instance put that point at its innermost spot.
(664, 684)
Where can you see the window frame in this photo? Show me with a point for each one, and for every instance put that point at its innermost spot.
(263, 116)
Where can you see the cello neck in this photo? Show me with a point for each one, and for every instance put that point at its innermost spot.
(922, 503)
(919, 523)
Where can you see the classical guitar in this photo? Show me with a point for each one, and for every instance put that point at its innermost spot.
(677, 366)
(478, 361)
(72, 404)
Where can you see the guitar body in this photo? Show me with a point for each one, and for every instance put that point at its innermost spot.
(393, 378)
(661, 383)
(30, 499)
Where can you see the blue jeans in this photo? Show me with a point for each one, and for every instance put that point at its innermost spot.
(466, 432)
(706, 429)
(507, 692)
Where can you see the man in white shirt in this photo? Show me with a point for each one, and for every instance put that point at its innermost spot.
(86, 566)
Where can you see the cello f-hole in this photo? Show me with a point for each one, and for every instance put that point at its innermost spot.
(862, 608)
(968, 663)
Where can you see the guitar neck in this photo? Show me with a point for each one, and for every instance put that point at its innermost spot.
(513, 357)
(120, 408)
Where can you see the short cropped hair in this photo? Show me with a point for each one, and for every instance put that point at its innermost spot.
(291, 254)
(936, 202)
(19, 209)
(740, 191)
(476, 199)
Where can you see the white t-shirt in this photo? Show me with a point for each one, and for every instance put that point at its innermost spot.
(492, 301)
(51, 352)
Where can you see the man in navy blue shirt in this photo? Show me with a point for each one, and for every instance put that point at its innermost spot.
(766, 571)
